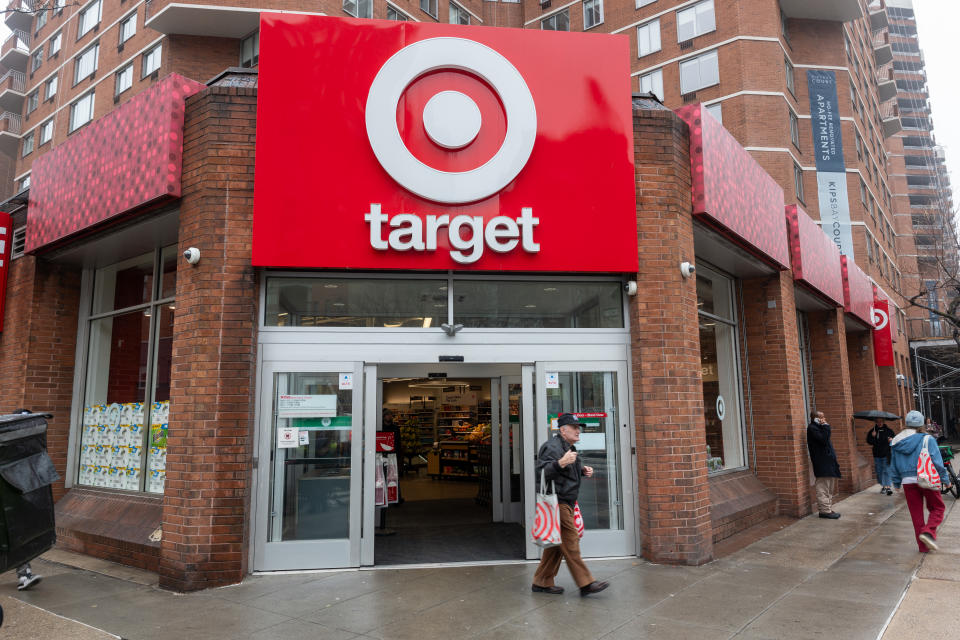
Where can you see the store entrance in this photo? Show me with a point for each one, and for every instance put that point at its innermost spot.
(458, 470)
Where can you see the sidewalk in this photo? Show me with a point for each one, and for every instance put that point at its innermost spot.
(816, 578)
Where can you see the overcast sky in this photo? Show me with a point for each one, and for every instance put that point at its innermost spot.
(937, 22)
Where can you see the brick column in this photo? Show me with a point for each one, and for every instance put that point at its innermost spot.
(776, 390)
(674, 497)
(38, 346)
(207, 494)
(833, 388)
(866, 395)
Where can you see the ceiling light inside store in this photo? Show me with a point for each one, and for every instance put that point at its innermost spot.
(529, 306)
(550, 289)
(338, 304)
(331, 286)
(392, 325)
(437, 384)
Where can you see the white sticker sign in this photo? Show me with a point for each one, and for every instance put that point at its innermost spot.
(346, 381)
(288, 437)
(553, 380)
(721, 407)
(304, 437)
(313, 406)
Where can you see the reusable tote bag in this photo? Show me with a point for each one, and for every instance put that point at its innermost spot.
(927, 476)
(546, 524)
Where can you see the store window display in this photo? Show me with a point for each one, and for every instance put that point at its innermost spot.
(127, 375)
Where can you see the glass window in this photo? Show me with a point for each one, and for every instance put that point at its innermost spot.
(128, 28)
(429, 7)
(798, 182)
(46, 131)
(537, 305)
(559, 21)
(127, 384)
(28, 144)
(41, 18)
(33, 101)
(648, 38)
(81, 112)
(50, 87)
(89, 18)
(652, 83)
(250, 50)
(643, 3)
(151, 60)
(55, 43)
(592, 13)
(716, 110)
(794, 129)
(700, 72)
(36, 59)
(86, 63)
(788, 70)
(124, 78)
(695, 21)
(720, 371)
(458, 15)
(359, 8)
(355, 302)
(396, 14)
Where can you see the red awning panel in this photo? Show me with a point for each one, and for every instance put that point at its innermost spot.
(815, 259)
(857, 291)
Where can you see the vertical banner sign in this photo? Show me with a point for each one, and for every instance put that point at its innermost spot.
(828, 147)
(6, 248)
(882, 334)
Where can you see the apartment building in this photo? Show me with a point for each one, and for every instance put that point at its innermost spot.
(143, 339)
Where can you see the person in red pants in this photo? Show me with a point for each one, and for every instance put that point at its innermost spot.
(905, 450)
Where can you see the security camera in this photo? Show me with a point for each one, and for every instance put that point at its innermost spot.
(192, 255)
(687, 269)
(630, 287)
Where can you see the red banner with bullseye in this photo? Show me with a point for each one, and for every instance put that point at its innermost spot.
(882, 334)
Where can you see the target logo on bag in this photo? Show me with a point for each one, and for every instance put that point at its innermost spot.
(404, 145)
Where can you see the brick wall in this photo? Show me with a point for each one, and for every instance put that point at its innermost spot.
(206, 499)
(674, 497)
(866, 394)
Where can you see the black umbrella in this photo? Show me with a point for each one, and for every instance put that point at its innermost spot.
(873, 414)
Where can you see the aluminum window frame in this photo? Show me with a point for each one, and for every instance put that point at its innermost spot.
(82, 27)
(75, 105)
(78, 63)
(645, 33)
(147, 56)
(46, 131)
(131, 19)
(700, 61)
(696, 23)
(595, 6)
(553, 18)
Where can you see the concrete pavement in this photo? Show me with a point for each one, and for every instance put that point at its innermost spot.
(815, 578)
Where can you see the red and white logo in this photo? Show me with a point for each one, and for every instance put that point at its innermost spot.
(402, 145)
(882, 334)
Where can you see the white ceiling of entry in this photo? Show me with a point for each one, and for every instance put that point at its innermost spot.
(724, 254)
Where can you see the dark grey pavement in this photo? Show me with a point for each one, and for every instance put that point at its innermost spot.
(814, 579)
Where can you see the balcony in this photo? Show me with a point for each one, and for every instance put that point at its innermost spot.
(19, 15)
(886, 85)
(882, 51)
(890, 119)
(878, 15)
(12, 89)
(9, 133)
(15, 50)
(831, 10)
(185, 18)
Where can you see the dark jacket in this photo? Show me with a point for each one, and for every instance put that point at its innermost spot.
(566, 479)
(822, 455)
(880, 439)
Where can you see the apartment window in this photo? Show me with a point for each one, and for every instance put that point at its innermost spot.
(395, 14)
(869, 251)
(81, 112)
(55, 42)
(89, 18)
(695, 21)
(859, 143)
(27, 144)
(33, 101)
(41, 18)
(124, 79)
(784, 31)
(559, 21)
(50, 87)
(86, 63)
(798, 181)
(592, 13)
(794, 129)
(128, 27)
(58, 6)
(863, 192)
(250, 48)
(359, 8)
(716, 110)
(648, 38)
(429, 7)
(46, 131)
(788, 69)
(36, 59)
(151, 61)
(643, 3)
(652, 83)
(24, 183)
(853, 97)
(458, 15)
(702, 71)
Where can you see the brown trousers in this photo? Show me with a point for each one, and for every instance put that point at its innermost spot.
(826, 489)
(569, 549)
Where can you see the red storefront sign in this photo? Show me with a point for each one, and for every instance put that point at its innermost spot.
(403, 145)
(6, 248)
(882, 334)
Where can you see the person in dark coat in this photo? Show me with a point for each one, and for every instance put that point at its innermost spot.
(879, 438)
(825, 465)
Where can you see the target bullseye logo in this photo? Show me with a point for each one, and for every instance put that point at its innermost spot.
(451, 119)
(879, 317)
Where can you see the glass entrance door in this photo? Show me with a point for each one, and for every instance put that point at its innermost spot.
(508, 494)
(309, 461)
(597, 392)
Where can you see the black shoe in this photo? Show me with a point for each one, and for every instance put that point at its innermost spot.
(888, 491)
(553, 590)
(833, 515)
(593, 587)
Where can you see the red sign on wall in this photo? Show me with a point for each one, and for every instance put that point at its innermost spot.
(6, 249)
(882, 334)
(403, 145)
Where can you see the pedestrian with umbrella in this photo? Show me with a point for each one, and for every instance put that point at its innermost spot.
(879, 438)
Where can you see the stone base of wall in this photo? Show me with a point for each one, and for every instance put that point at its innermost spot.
(110, 526)
(739, 501)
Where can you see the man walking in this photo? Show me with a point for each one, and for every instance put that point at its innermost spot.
(560, 462)
(825, 465)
